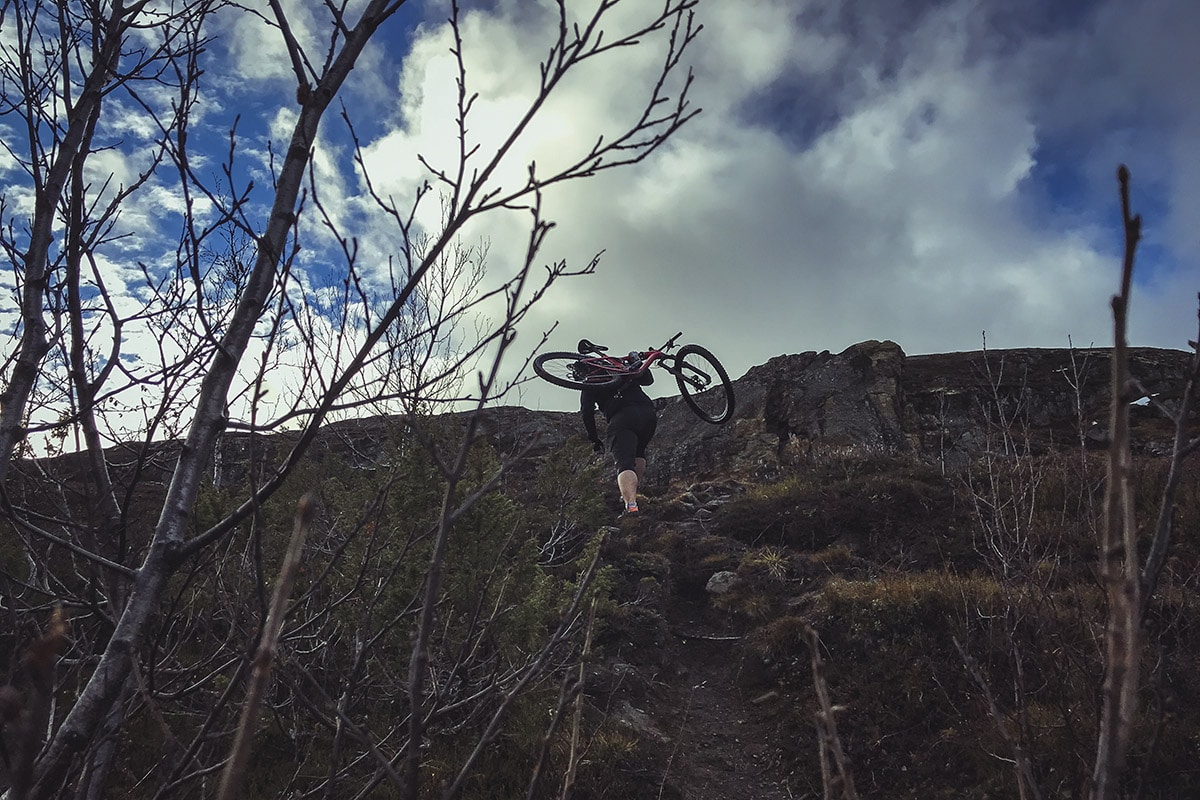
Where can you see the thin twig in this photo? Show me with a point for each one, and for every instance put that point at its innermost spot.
(1022, 765)
(1118, 546)
(235, 769)
(828, 739)
(573, 753)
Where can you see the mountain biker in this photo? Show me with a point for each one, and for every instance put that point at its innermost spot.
(632, 420)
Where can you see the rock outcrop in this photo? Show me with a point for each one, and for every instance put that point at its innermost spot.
(799, 408)
(949, 407)
(789, 406)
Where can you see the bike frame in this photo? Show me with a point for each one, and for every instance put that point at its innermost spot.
(696, 371)
(616, 364)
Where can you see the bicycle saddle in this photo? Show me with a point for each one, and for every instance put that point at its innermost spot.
(586, 347)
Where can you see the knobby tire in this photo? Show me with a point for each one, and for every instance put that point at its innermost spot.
(712, 400)
(557, 368)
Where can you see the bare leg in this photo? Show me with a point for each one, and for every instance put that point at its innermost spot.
(627, 482)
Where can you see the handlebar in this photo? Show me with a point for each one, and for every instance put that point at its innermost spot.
(671, 342)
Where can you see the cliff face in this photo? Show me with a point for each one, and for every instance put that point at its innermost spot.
(872, 397)
(789, 406)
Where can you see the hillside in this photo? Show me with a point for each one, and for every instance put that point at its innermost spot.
(913, 537)
(931, 519)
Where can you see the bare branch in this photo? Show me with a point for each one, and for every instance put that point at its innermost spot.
(1181, 448)
(1118, 545)
(231, 780)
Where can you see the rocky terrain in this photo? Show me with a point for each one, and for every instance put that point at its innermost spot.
(875, 500)
(874, 398)
(912, 535)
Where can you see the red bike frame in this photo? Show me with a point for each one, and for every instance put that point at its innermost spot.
(617, 365)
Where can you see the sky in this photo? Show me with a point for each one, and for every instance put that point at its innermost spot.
(938, 173)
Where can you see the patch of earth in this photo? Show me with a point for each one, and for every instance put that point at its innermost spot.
(723, 743)
(705, 718)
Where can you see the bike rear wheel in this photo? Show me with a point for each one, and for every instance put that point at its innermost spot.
(704, 384)
(570, 370)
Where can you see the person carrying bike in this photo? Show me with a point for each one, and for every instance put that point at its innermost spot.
(632, 420)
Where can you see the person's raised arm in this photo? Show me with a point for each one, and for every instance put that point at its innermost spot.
(587, 409)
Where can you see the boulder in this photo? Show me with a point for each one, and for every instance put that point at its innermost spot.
(789, 408)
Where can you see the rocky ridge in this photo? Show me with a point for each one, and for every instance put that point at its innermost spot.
(702, 667)
(874, 397)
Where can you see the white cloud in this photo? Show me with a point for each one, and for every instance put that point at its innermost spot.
(917, 171)
(257, 48)
(907, 215)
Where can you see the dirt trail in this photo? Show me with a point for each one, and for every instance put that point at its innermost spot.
(706, 729)
(724, 745)
(707, 718)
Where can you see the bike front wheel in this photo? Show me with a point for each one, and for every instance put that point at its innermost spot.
(572, 371)
(704, 384)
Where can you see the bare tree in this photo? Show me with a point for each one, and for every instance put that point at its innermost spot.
(230, 310)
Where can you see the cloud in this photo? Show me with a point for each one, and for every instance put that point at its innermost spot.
(256, 48)
(921, 171)
(892, 175)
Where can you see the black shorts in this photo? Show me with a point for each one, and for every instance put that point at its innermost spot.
(629, 432)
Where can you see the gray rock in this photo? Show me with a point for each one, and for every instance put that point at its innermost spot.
(638, 721)
(798, 409)
(721, 582)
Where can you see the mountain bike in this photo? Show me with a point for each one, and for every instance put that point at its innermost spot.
(703, 382)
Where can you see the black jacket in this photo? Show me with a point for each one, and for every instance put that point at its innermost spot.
(612, 400)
